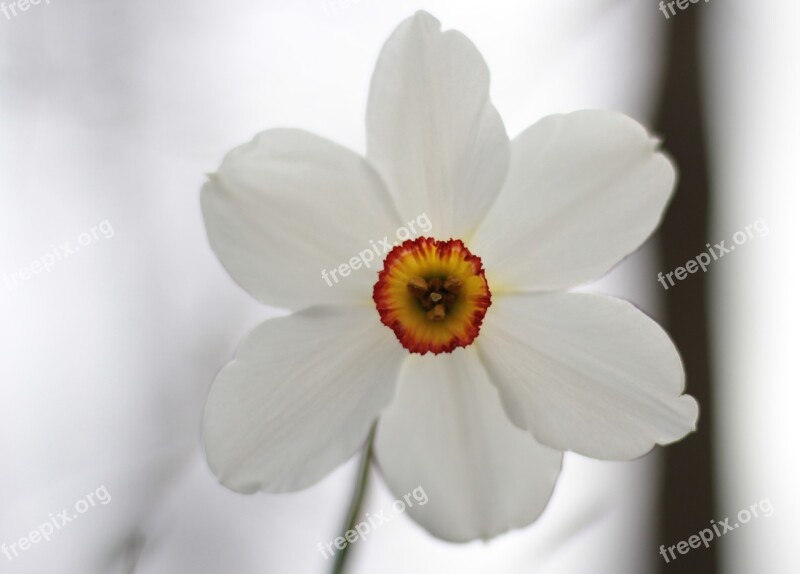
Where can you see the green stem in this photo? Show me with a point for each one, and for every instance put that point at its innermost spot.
(358, 499)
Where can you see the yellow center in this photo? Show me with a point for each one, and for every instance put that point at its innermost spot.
(432, 294)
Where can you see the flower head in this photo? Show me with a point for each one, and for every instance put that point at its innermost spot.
(480, 368)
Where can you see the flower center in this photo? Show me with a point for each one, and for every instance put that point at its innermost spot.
(432, 294)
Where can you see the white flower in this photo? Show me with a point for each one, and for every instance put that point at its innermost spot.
(519, 370)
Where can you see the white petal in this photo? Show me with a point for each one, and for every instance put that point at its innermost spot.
(584, 190)
(289, 205)
(447, 433)
(299, 398)
(432, 131)
(586, 373)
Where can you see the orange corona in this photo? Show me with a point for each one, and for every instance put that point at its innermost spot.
(432, 294)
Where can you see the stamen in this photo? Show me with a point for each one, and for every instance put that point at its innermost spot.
(437, 313)
(453, 284)
(417, 285)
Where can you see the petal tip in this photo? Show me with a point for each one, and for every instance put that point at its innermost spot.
(426, 18)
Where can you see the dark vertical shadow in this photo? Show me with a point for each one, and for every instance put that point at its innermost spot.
(687, 496)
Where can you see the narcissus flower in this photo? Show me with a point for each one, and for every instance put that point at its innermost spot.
(464, 344)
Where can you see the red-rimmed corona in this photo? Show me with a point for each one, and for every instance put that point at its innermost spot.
(433, 294)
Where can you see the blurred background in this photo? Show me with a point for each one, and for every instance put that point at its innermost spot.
(111, 113)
